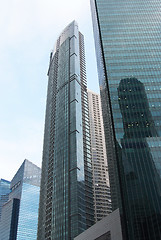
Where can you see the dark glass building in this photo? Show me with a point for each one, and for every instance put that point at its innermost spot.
(127, 40)
(66, 196)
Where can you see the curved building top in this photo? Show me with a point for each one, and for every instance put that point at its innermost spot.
(69, 31)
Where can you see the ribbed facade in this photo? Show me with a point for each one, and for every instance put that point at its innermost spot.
(127, 39)
(66, 200)
(9, 222)
(101, 186)
(86, 137)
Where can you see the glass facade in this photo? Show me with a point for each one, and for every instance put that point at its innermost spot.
(4, 192)
(28, 213)
(127, 38)
(20, 213)
(65, 210)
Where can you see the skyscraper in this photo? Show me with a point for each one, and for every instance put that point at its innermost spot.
(101, 187)
(66, 196)
(4, 193)
(127, 40)
(20, 214)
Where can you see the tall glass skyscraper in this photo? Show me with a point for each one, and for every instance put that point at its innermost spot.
(66, 196)
(127, 38)
(20, 214)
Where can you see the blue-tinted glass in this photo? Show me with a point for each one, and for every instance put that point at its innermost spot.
(28, 213)
(4, 192)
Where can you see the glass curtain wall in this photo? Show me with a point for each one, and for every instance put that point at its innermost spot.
(65, 208)
(127, 37)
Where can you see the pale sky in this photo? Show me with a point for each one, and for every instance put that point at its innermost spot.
(29, 30)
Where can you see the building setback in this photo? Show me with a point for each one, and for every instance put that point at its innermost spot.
(108, 228)
(101, 187)
(66, 196)
(20, 214)
(127, 40)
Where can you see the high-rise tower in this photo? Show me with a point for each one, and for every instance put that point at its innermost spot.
(66, 196)
(127, 40)
(101, 186)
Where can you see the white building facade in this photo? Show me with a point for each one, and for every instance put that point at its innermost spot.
(101, 186)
